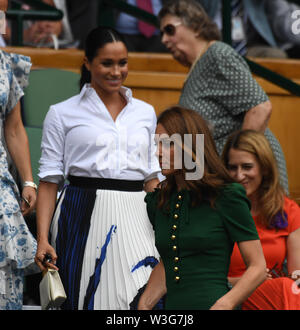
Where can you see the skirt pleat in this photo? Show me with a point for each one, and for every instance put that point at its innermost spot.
(105, 247)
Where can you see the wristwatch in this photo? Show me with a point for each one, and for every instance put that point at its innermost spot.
(29, 184)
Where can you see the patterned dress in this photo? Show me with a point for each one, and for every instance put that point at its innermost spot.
(221, 88)
(17, 245)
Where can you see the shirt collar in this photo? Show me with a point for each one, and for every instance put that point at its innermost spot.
(87, 90)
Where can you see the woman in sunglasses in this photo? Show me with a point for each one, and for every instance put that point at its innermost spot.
(219, 85)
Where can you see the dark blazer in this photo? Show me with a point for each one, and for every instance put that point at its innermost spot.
(83, 17)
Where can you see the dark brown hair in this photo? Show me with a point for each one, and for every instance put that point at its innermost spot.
(97, 39)
(193, 16)
(182, 121)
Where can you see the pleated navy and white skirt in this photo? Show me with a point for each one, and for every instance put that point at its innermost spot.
(104, 242)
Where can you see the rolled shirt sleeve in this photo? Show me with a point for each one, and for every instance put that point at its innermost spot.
(53, 142)
(154, 168)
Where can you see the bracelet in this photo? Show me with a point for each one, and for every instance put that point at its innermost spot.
(30, 184)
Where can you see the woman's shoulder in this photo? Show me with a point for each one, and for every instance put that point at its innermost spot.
(60, 112)
(68, 102)
(290, 203)
(233, 188)
(221, 52)
(232, 194)
(19, 64)
(292, 210)
(220, 49)
(14, 58)
(16, 68)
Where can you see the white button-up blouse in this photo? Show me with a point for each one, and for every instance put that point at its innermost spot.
(80, 138)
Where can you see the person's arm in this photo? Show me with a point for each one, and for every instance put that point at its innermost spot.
(293, 251)
(41, 31)
(255, 274)
(151, 185)
(257, 118)
(155, 289)
(47, 195)
(18, 147)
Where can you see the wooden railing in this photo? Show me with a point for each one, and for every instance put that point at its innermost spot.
(158, 79)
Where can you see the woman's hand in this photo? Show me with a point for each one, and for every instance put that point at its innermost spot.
(221, 305)
(155, 289)
(44, 249)
(269, 275)
(28, 200)
(151, 185)
(257, 118)
(142, 306)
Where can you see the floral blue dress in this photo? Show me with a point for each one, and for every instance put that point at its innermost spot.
(17, 245)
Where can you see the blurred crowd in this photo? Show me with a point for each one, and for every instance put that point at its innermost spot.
(259, 28)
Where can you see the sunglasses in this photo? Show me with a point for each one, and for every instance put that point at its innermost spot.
(170, 29)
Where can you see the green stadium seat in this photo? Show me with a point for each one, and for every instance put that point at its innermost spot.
(47, 87)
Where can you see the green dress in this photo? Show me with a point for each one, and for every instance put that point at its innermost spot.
(195, 244)
(220, 87)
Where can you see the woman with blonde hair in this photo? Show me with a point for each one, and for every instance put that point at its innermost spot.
(250, 161)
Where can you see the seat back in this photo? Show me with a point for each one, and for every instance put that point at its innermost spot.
(47, 87)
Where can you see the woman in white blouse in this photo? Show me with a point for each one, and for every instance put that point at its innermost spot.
(101, 140)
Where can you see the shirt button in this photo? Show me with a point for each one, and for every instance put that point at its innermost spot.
(173, 237)
(176, 259)
(177, 278)
(179, 197)
(174, 248)
(176, 269)
(174, 227)
(175, 216)
(177, 206)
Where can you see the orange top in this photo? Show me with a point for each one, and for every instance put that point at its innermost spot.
(273, 241)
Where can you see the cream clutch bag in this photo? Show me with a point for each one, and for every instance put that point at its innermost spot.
(52, 292)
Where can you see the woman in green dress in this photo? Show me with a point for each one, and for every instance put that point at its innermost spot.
(219, 85)
(198, 213)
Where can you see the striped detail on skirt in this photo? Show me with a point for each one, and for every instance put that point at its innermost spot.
(105, 247)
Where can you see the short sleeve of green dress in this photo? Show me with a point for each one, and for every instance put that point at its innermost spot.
(195, 244)
(151, 205)
(234, 208)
